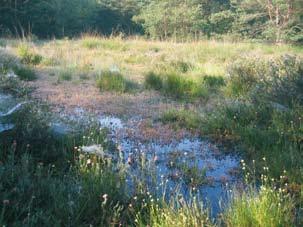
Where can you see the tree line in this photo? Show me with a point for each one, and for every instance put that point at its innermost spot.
(272, 20)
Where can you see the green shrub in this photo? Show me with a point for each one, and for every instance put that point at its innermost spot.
(284, 81)
(25, 73)
(114, 81)
(113, 44)
(279, 79)
(39, 194)
(153, 81)
(27, 56)
(244, 75)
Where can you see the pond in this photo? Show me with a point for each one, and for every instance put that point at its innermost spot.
(186, 166)
(183, 166)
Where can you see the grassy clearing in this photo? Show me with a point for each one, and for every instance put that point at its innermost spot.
(136, 57)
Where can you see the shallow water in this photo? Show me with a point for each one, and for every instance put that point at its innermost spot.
(7, 102)
(112, 123)
(8, 105)
(166, 167)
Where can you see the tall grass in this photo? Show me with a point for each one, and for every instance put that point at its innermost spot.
(177, 213)
(114, 81)
(25, 73)
(175, 85)
(266, 208)
(269, 204)
(28, 56)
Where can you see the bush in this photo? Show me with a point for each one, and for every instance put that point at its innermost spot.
(284, 81)
(114, 81)
(27, 56)
(279, 79)
(25, 73)
(244, 75)
(153, 81)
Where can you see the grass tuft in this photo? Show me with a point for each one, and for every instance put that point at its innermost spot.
(266, 208)
(25, 73)
(66, 74)
(153, 81)
(27, 56)
(114, 81)
(182, 118)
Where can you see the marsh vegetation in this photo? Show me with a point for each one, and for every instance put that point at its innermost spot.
(61, 166)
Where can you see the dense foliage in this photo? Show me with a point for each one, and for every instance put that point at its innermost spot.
(276, 20)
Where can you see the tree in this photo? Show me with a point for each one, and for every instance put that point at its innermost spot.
(270, 19)
(170, 18)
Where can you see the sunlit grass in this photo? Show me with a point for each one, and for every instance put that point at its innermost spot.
(137, 56)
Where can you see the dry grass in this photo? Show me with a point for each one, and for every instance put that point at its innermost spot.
(134, 56)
